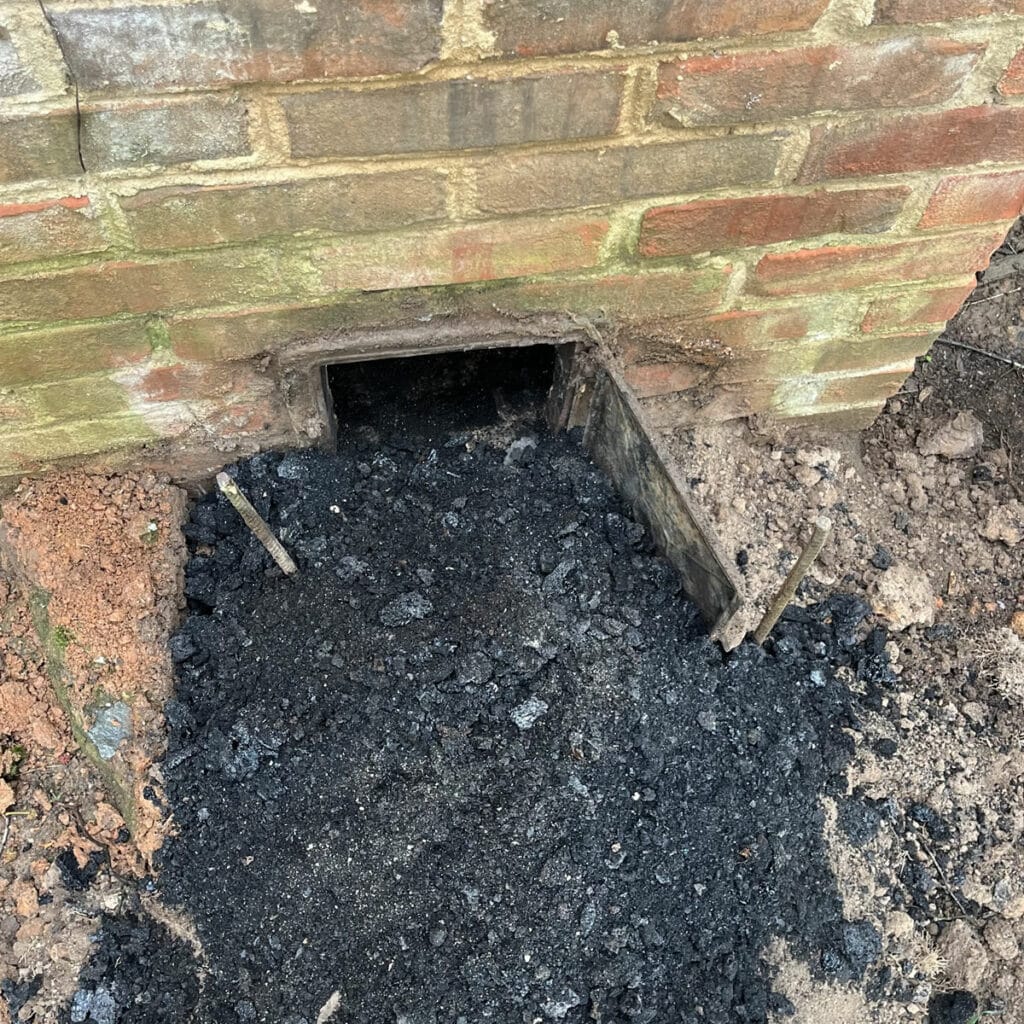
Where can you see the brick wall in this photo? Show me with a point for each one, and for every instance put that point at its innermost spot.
(768, 206)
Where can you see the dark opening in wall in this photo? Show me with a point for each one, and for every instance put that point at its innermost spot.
(430, 396)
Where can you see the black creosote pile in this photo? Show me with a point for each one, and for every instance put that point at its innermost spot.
(479, 761)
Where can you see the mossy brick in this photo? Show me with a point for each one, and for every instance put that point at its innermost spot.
(48, 228)
(462, 253)
(66, 352)
(164, 132)
(905, 12)
(732, 88)
(828, 423)
(909, 308)
(533, 27)
(37, 146)
(837, 268)
(192, 216)
(962, 199)
(126, 287)
(25, 450)
(152, 48)
(592, 177)
(242, 334)
(715, 224)
(1012, 83)
(80, 398)
(863, 353)
(863, 388)
(467, 113)
(915, 142)
(675, 339)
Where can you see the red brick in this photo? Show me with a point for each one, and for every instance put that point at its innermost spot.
(741, 329)
(108, 289)
(551, 181)
(38, 146)
(760, 220)
(911, 308)
(453, 255)
(764, 86)
(144, 48)
(164, 132)
(855, 266)
(462, 114)
(916, 142)
(67, 352)
(1012, 83)
(975, 199)
(533, 27)
(923, 11)
(708, 404)
(186, 217)
(54, 227)
(653, 379)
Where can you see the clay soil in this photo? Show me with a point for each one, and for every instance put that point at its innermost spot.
(478, 761)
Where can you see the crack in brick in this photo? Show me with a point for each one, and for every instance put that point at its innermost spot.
(72, 80)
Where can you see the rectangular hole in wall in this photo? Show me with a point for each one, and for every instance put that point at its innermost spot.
(427, 398)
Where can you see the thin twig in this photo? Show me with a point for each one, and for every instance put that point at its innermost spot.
(256, 523)
(7, 832)
(994, 295)
(822, 529)
(980, 352)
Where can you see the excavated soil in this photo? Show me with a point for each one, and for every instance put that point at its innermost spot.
(479, 761)
(380, 816)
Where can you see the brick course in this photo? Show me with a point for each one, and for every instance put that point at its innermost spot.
(752, 207)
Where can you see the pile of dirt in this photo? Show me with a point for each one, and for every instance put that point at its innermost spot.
(479, 761)
(90, 591)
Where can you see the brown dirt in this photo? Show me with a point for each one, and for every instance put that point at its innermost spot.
(113, 583)
(936, 543)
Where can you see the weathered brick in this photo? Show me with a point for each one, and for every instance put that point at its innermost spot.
(29, 449)
(866, 388)
(185, 217)
(16, 76)
(549, 181)
(856, 266)
(975, 199)
(923, 11)
(66, 352)
(683, 293)
(452, 255)
(910, 308)
(915, 142)
(679, 339)
(462, 114)
(760, 220)
(164, 132)
(652, 379)
(864, 354)
(52, 227)
(708, 404)
(37, 146)
(152, 48)
(1012, 83)
(533, 27)
(108, 289)
(835, 421)
(772, 84)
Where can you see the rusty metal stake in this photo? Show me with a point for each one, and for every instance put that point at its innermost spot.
(822, 529)
(256, 523)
